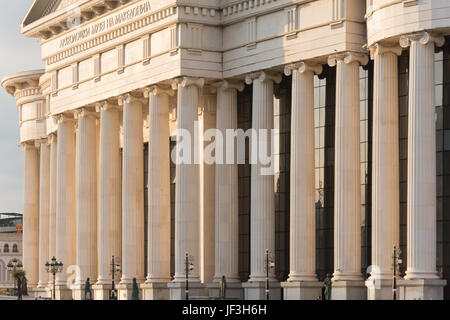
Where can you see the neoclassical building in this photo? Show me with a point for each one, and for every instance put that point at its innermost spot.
(358, 93)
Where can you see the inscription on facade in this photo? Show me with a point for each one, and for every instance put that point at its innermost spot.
(106, 24)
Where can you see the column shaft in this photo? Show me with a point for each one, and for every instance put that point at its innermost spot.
(385, 174)
(302, 204)
(262, 200)
(158, 188)
(31, 214)
(65, 198)
(52, 218)
(44, 212)
(132, 192)
(421, 221)
(86, 196)
(110, 194)
(227, 198)
(187, 215)
(347, 183)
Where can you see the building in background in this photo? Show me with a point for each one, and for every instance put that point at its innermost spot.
(358, 91)
(10, 246)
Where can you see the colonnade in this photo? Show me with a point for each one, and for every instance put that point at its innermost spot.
(89, 198)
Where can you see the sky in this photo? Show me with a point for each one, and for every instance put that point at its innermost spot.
(17, 53)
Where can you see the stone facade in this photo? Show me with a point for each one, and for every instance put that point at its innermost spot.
(352, 89)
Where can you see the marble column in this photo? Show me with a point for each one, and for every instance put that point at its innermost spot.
(422, 279)
(187, 198)
(207, 122)
(226, 196)
(53, 141)
(86, 200)
(347, 278)
(65, 204)
(262, 198)
(44, 214)
(132, 195)
(385, 171)
(158, 247)
(110, 197)
(31, 213)
(302, 282)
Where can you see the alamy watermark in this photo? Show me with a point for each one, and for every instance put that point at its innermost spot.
(226, 147)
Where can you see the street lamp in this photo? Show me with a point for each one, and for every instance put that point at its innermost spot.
(188, 267)
(115, 267)
(13, 266)
(270, 264)
(54, 267)
(396, 262)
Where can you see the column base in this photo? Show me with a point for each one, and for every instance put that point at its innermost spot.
(155, 291)
(197, 291)
(78, 292)
(63, 293)
(101, 291)
(348, 290)
(257, 290)
(233, 291)
(302, 290)
(40, 292)
(421, 289)
(379, 289)
(125, 291)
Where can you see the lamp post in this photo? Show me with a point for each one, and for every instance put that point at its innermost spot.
(396, 262)
(115, 267)
(188, 267)
(270, 264)
(54, 267)
(13, 266)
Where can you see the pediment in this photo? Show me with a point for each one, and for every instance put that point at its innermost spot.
(42, 8)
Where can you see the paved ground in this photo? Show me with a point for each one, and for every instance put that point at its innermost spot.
(15, 298)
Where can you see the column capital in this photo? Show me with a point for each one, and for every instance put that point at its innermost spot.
(226, 85)
(348, 57)
(302, 67)
(105, 106)
(32, 144)
(188, 81)
(39, 142)
(423, 38)
(157, 90)
(84, 112)
(129, 98)
(52, 137)
(263, 76)
(379, 49)
(63, 117)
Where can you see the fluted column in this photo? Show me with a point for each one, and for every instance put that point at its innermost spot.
(187, 216)
(86, 196)
(132, 193)
(206, 123)
(31, 213)
(110, 197)
(65, 202)
(347, 182)
(302, 200)
(44, 211)
(227, 198)
(421, 221)
(158, 256)
(385, 170)
(53, 141)
(262, 214)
